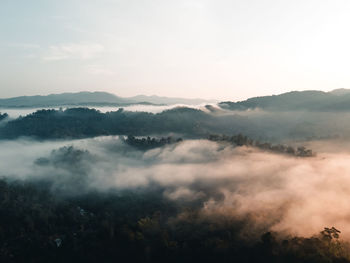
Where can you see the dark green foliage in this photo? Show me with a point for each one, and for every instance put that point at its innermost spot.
(84, 122)
(241, 140)
(149, 143)
(189, 123)
(72, 168)
(65, 156)
(3, 116)
(71, 123)
(137, 226)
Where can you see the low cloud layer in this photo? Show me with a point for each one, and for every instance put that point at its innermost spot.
(290, 195)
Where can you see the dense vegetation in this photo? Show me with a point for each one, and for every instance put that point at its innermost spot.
(241, 140)
(83, 122)
(150, 143)
(3, 116)
(146, 143)
(184, 122)
(59, 218)
(138, 226)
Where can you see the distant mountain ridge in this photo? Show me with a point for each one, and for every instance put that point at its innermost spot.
(340, 92)
(311, 100)
(168, 100)
(62, 99)
(90, 99)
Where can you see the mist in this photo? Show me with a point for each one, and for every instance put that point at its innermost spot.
(196, 122)
(284, 126)
(17, 112)
(271, 192)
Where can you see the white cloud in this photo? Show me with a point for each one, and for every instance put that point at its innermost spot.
(73, 51)
(298, 196)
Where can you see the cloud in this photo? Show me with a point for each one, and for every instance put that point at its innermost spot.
(290, 195)
(74, 51)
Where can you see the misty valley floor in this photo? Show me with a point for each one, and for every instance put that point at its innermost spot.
(105, 200)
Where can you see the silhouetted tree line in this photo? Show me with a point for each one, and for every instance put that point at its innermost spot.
(137, 226)
(242, 140)
(84, 122)
(3, 116)
(150, 143)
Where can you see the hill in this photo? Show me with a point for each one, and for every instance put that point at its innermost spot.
(169, 101)
(90, 99)
(63, 99)
(310, 100)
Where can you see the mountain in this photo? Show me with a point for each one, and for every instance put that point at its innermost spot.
(340, 92)
(65, 99)
(91, 99)
(169, 101)
(311, 100)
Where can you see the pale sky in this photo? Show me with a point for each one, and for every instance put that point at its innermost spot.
(214, 49)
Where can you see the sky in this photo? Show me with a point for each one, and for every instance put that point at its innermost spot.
(212, 49)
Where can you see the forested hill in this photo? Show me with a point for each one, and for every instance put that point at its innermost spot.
(187, 122)
(84, 122)
(311, 100)
(3, 116)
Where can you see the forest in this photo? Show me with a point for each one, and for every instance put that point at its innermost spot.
(3, 116)
(64, 215)
(275, 127)
(84, 122)
(141, 226)
(143, 187)
(178, 131)
(242, 140)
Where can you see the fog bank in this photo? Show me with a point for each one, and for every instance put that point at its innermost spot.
(290, 195)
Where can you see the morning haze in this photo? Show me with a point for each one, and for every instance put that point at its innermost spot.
(226, 50)
(174, 131)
